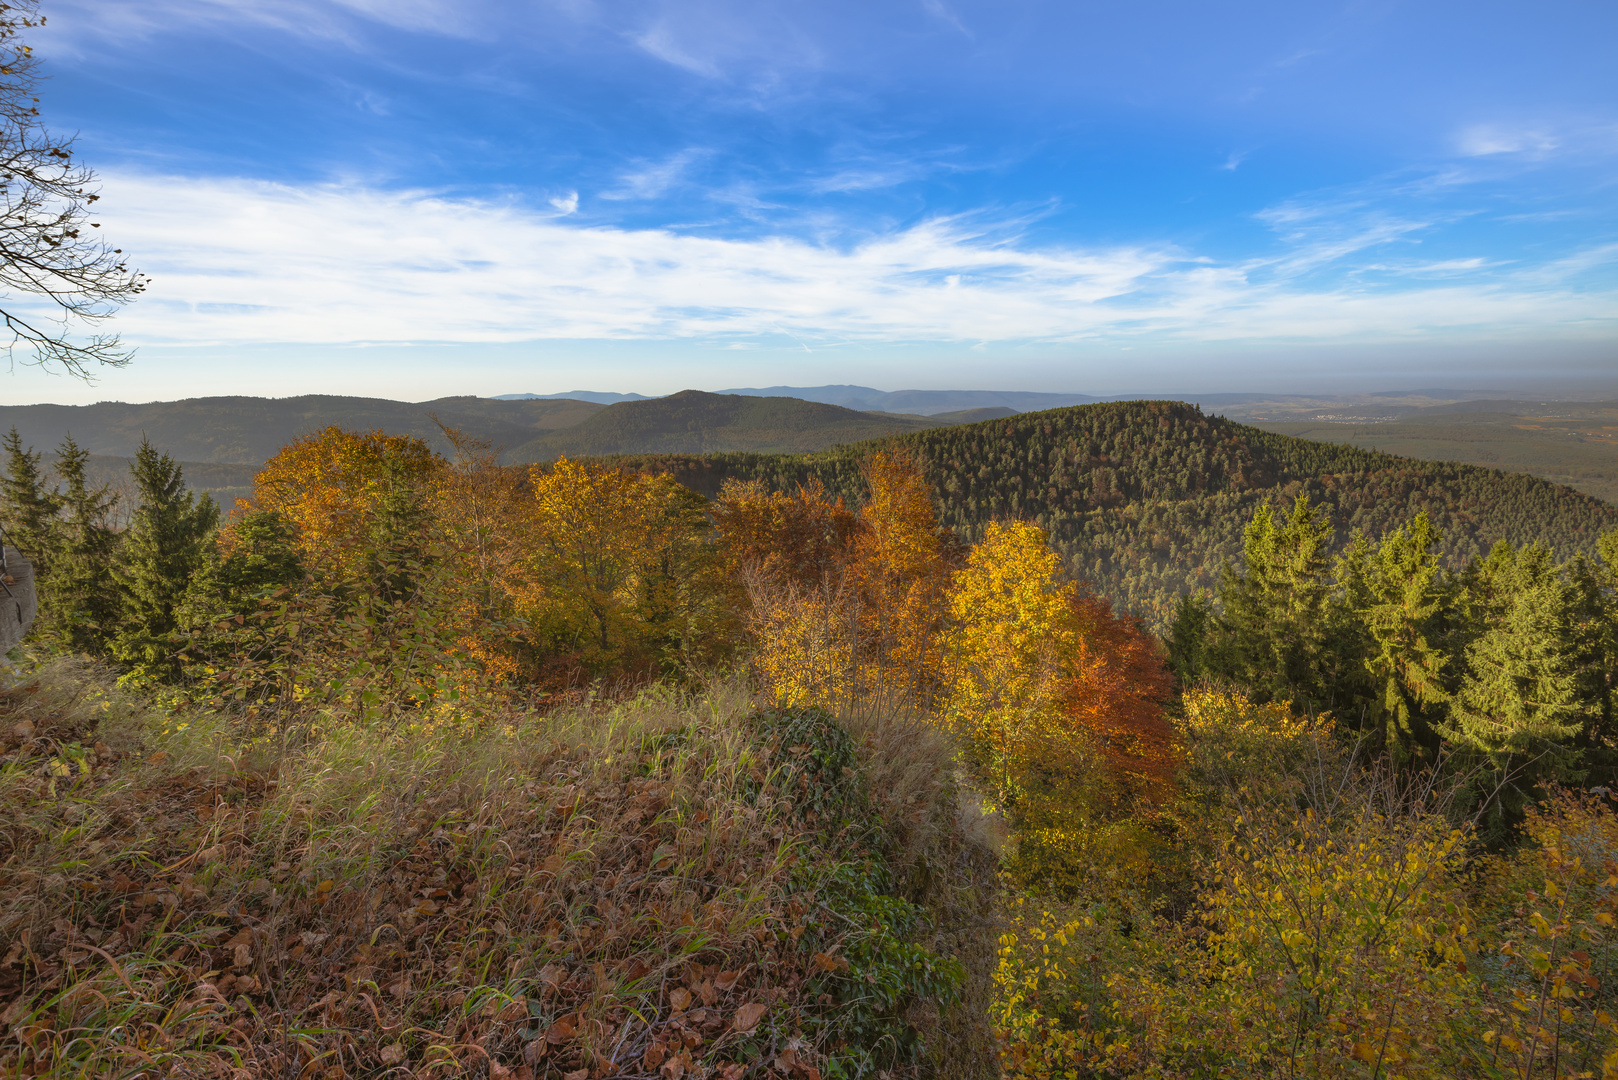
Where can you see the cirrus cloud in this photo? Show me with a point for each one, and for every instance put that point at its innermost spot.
(246, 261)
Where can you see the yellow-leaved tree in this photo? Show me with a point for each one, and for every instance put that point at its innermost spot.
(622, 578)
(1008, 631)
(900, 574)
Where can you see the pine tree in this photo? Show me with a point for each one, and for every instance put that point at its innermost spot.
(1519, 707)
(81, 595)
(167, 543)
(1404, 603)
(28, 508)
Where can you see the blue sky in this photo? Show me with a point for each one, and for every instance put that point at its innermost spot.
(412, 198)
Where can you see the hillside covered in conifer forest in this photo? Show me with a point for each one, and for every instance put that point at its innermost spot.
(1147, 499)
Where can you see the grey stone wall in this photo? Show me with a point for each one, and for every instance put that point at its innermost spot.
(18, 602)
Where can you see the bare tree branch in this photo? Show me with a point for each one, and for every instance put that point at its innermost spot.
(48, 248)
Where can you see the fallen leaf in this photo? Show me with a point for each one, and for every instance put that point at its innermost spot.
(498, 1071)
(725, 980)
(655, 1053)
(393, 1053)
(747, 1017)
(705, 990)
(243, 955)
(561, 1031)
(552, 975)
(680, 998)
(579, 1074)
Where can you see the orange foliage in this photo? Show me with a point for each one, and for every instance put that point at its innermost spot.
(1115, 688)
(329, 486)
(799, 538)
(900, 573)
(478, 507)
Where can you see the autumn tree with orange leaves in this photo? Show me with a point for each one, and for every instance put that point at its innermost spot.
(841, 606)
(331, 488)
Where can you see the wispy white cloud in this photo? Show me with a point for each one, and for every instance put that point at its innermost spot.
(78, 23)
(654, 178)
(1485, 140)
(567, 204)
(1324, 231)
(663, 41)
(1234, 159)
(239, 261)
(944, 13)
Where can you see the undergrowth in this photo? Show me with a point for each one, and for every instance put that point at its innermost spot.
(667, 886)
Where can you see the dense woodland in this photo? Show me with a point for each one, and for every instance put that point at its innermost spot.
(862, 763)
(1147, 500)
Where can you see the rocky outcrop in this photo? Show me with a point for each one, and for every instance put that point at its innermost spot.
(18, 601)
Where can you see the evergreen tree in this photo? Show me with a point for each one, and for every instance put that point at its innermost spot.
(28, 508)
(1402, 609)
(1595, 616)
(1273, 633)
(168, 542)
(81, 596)
(1519, 708)
(1188, 637)
(263, 555)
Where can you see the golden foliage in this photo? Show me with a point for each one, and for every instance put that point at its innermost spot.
(330, 485)
(900, 574)
(619, 568)
(800, 537)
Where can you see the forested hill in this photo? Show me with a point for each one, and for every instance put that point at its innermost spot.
(1147, 499)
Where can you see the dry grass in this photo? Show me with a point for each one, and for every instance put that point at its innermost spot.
(600, 892)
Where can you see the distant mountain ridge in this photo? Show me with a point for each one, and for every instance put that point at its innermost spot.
(861, 398)
(600, 397)
(222, 441)
(923, 402)
(694, 421)
(249, 430)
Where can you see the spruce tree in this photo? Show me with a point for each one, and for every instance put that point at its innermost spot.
(28, 508)
(1272, 634)
(1595, 615)
(1402, 611)
(167, 543)
(81, 595)
(1519, 708)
